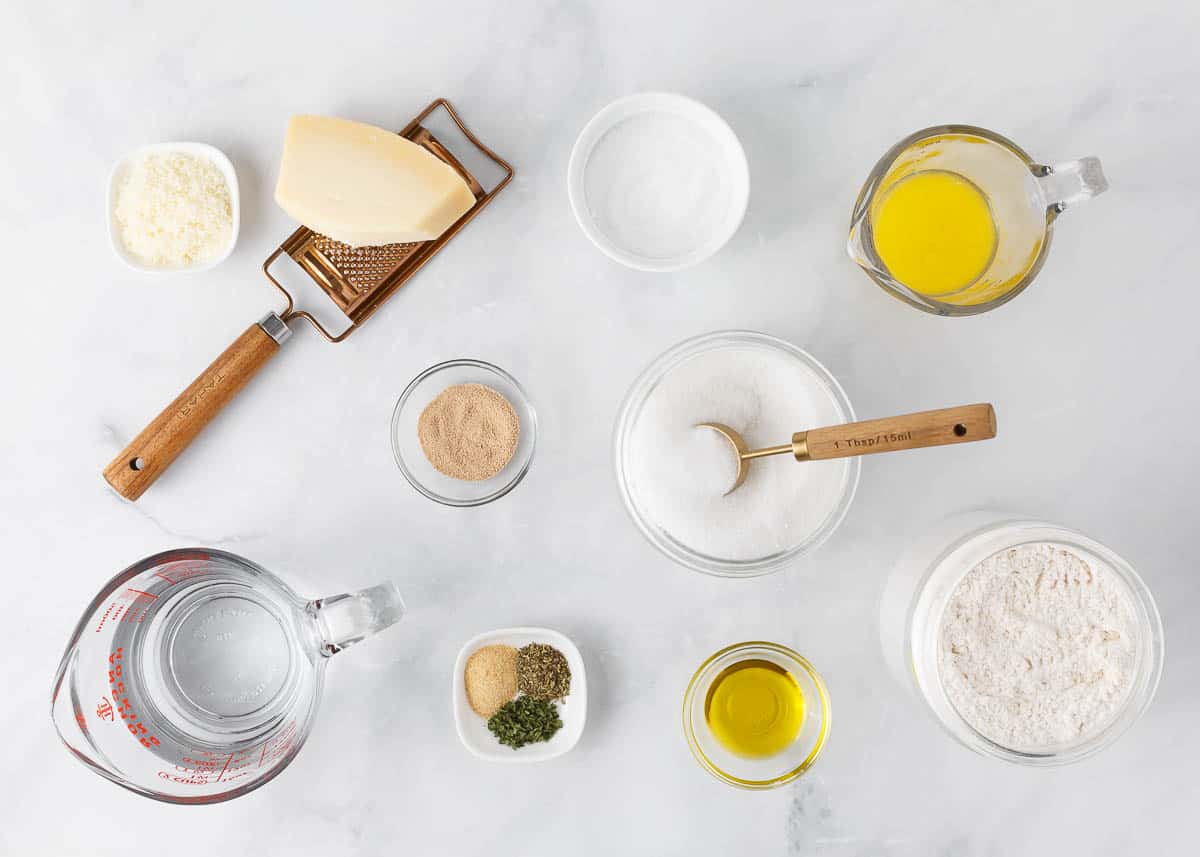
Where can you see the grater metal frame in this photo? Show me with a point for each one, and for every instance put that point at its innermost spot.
(360, 279)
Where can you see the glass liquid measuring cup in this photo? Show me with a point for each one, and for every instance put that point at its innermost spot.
(964, 217)
(194, 676)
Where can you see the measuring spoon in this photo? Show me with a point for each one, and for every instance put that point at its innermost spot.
(961, 424)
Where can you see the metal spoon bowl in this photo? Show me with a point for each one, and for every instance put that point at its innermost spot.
(962, 424)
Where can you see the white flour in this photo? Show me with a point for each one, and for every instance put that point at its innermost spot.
(678, 472)
(1037, 648)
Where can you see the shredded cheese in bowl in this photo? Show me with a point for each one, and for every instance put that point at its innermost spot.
(173, 209)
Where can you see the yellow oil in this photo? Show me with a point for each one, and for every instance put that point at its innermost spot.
(934, 232)
(754, 708)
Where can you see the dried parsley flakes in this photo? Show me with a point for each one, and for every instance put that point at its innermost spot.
(525, 720)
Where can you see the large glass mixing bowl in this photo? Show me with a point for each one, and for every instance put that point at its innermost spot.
(631, 410)
(924, 580)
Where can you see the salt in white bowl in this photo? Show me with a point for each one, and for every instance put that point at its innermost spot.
(658, 182)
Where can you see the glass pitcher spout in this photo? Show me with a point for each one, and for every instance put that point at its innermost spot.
(856, 245)
(343, 620)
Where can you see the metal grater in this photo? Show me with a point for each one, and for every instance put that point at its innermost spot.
(358, 279)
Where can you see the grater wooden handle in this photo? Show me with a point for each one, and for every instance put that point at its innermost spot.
(152, 451)
(890, 434)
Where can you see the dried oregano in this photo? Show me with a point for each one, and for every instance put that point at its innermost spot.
(525, 720)
(542, 672)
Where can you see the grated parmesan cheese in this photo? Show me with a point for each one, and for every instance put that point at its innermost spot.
(173, 210)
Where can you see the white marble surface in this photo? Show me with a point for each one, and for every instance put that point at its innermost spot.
(1093, 372)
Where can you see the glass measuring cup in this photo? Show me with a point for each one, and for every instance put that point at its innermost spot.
(988, 177)
(194, 676)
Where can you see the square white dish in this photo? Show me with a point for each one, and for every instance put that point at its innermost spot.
(472, 729)
(200, 150)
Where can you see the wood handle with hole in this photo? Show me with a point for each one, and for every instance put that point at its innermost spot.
(963, 424)
(152, 451)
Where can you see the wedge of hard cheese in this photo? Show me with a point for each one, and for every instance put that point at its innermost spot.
(365, 186)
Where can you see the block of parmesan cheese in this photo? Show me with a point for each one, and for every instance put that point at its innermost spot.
(365, 186)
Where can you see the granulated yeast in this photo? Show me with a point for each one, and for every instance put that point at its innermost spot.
(491, 678)
(469, 432)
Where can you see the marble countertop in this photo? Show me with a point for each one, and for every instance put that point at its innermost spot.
(1093, 372)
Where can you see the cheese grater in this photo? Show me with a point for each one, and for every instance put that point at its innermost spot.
(357, 279)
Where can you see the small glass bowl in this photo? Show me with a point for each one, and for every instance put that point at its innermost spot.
(938, 573)
(784, 766)
(631, 410)
(406, 445)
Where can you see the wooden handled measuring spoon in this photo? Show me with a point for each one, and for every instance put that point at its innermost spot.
(962, 424)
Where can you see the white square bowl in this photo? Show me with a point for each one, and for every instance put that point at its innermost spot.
(472, 729)
(199, 150)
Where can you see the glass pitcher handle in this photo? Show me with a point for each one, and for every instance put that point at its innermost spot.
(343, 620)
(1070, 182)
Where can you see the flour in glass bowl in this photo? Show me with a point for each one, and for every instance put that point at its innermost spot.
(1037, 647)
(678, 473)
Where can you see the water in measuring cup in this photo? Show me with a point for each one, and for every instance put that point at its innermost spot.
(221, 661)
(194, 675)
(208, 672)
(229, 656)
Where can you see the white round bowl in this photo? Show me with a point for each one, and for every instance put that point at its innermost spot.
(638, 122)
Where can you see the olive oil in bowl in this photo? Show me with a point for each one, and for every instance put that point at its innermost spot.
(756, 715)
(755, 708)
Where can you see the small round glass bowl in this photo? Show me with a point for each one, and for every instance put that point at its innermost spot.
(406, 444)
(784, 766)
(934, 588)
(631, 410)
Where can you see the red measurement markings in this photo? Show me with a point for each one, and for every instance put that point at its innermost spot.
(225, 767)
(206, 768)
(114, 612)
(279, 746)
(121, 702)
(123, 609)
(132, 617)
(179, 573)
(104, 618)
